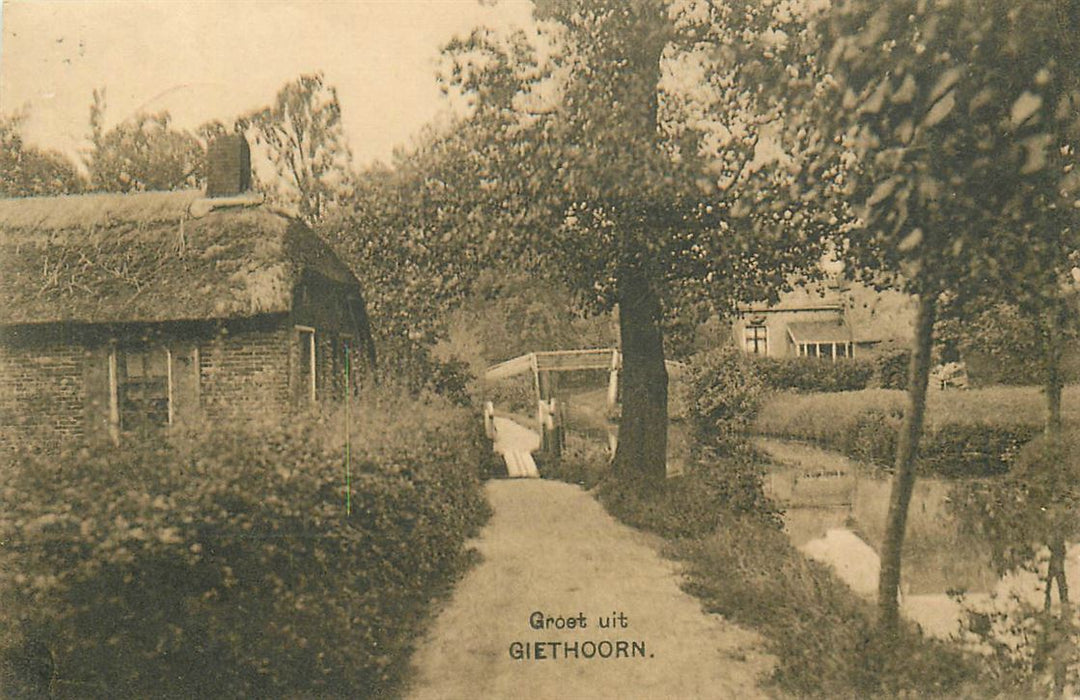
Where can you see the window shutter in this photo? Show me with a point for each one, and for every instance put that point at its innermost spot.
(185, 382)
(96, 383)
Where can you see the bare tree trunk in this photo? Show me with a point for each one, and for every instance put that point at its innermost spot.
(904, 477)
(1054, 380)
(641, 454)
(1057, 635)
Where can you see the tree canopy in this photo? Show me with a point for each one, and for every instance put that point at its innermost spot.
(143, 153)
(302, 136)
(955, 142)
(28, 171)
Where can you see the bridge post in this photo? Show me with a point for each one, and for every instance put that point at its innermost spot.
(489, 419)
(613, 380)
(551, 429)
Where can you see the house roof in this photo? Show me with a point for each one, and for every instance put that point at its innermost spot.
(154, 256)
(819, 332)
(812, 296)
(873, 315)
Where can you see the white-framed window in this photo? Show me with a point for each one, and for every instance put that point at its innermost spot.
(756, 339)
(828, 350)
(305, 365)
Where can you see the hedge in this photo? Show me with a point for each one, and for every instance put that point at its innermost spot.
(226, 565)
(814, 374)
(948, 449)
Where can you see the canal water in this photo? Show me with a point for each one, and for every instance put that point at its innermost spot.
(835, 511)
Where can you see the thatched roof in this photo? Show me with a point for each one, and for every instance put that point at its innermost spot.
(155, 256)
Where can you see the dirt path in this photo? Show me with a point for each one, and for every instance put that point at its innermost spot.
(551, 548)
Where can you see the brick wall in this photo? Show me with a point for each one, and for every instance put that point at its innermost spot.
(55, 389)
(42, 392)
(245, 374)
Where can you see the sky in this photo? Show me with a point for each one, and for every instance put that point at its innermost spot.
(206, 59)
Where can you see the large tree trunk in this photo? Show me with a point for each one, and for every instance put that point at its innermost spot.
(904, 478)
(641, 454)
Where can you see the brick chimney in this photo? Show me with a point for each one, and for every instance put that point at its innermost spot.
(228, 161)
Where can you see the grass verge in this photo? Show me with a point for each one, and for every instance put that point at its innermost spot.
(740, 564)
(968, 433)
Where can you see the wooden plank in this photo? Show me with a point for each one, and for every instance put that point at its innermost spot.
(510, 368)
(570, 360)
(520, 465)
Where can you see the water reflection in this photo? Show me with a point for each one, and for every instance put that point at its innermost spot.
(836, 511)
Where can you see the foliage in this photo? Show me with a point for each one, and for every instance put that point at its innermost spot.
(506, 315)
(416, 238)
(1003, 344)
(632, 187)
(891, 367)
(411, 368)
(819, 630)
(516, 394)
(1012, 635)
(26, 171)
(954, 116)
(968, 433)
(304, 140)
(1021, 513)
(723, 391)
(713, 489)
(1025, 516)
(742, 566)
(813, 374)
(145, 153)
(226, 563)
(957, 121)
(584, 461)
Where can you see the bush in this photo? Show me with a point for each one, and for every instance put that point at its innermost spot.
(409, 367)
(972, 450)
(713, 489)
(722, 393)
(891, 367)
(814, 374)
(515, 394)
(872, 438)
(584, 461)
(226, 565)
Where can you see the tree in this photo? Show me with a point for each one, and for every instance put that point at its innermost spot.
(27, 171)
(954, 116)
(304, 140)
(143, 153)
(629, 199)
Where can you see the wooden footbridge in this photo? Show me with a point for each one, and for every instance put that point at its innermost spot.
(544, 366)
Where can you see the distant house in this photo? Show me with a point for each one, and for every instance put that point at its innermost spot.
(123, 311)
(825, 320)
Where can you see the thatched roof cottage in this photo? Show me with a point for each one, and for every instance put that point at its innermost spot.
(124, 311)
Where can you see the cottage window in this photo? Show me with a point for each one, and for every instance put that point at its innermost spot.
(831, 350)
(143, 387)
(757, 339)
(305, 366)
